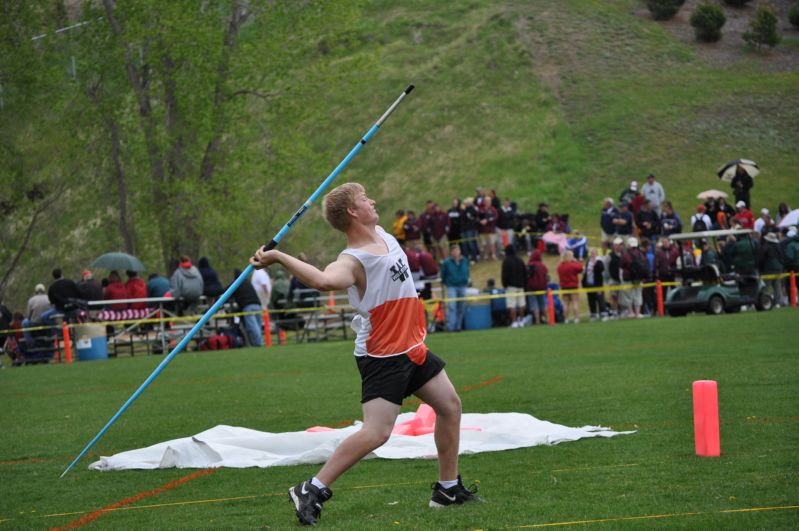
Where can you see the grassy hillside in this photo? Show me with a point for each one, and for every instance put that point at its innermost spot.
(540, 99)
(558, 101)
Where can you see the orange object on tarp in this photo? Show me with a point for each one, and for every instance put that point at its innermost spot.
(706, 418)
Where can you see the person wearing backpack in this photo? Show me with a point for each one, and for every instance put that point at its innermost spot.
(700, 221)
(634, 267)
(537, 278)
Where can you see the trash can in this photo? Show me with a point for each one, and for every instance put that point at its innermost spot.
(91, 343)
(478, 312)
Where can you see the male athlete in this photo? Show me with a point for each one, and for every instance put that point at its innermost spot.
(389, 349)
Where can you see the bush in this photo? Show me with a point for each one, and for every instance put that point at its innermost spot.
(737, 3)
(664, 9)
(707, 20)
(763, 28)
(793, 15)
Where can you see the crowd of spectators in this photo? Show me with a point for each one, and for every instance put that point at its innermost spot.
(633, 249)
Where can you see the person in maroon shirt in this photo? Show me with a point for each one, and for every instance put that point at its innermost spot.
(744, 216)
(439, 227)
(413, 230)
(569, 273)
(488, 230)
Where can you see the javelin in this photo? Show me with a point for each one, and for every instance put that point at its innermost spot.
(236, 283)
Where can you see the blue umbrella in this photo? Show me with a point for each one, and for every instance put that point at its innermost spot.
(121, 261)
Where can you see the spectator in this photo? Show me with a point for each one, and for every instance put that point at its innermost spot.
(63, 292)
(543, 220)
(648, 293)
(624, 221)
(782, 210)
(14, 344)
(157, 286)
(470, 222)
(38, 312)
(569, 272)
(279, 295)
(425, 224)
(514, 280)
(629, 193)
(724, 213)
(578, 245)
(653, 191)
(634, 268)
(771, 261)
(743, 216)
(670, 222)
(664, 262)
(524, 238)
(647, 221)
(186, 284)
(114, 291)
(593, 278)
(250, 305)
(506, 222)
(700, 221)
(488, 231)
(606, 225)
(135, 288)
(6, 317)
(614, 273)
(560, 223)
(741, 184)
(492, 196)
(537, 279)
(743, 253)
(398, 227)
(479, 197)
(413, 230)
(429, 271)
(413, 265)
(212, 287)
(263, 286)
(764, 223)
(88, 288)
(455, 277)
(454, 214)
(439, 227)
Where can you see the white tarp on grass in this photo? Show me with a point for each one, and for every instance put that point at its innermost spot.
(229, 446)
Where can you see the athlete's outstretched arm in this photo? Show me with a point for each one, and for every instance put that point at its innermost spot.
(338, 275)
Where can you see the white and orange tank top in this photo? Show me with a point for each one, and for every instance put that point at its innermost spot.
(389, 319)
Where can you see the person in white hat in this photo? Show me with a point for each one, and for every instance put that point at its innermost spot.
(764, 222)
(743, 216)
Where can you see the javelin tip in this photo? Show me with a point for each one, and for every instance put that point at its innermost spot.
(409, 89)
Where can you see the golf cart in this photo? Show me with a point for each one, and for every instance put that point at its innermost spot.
(705, 287)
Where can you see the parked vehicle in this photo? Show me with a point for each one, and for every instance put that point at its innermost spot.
(706, 287)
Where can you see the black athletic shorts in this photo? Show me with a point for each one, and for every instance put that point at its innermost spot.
(395, 377)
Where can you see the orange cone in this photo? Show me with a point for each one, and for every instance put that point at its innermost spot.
(281, 336)
(550, 307)
(67, 343)
(793, 289)
(706, 418)
(660, 299)
(267, 328)
(331, 302)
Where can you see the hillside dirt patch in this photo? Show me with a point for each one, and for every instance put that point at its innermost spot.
(732, 48)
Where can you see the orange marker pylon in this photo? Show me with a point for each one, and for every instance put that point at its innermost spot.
(267, 328)
(331, 302)
(67, 343)
(550, 308)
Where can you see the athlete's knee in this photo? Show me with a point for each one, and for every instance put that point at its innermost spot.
(377, 435)
(450, 405)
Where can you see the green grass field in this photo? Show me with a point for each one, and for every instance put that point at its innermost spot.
(626, 375)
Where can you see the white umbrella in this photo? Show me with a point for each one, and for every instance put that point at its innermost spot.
(711, 194)
(791, 218)
(727, 171)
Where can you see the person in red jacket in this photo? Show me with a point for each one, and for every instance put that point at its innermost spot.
(115, 290)
(743, 216)
(136, 289)
(569, 273)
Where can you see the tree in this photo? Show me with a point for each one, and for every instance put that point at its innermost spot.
(763, 28)
(664, 9)
(707, 20)
(793, 14)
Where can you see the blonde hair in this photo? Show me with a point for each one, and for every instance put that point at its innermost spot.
(568, 256)
(336, 203)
